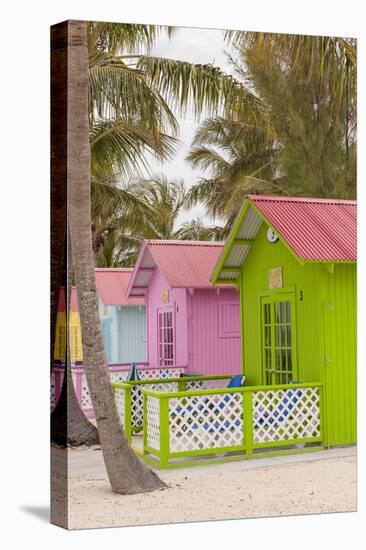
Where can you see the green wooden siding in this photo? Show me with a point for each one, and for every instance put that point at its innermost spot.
(339, 315)
(325, 317)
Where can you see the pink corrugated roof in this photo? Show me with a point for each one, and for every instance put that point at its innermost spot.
(185, 264)
(112, 284)
(316, 229)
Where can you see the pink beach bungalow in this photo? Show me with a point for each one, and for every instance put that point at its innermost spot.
(189, 322)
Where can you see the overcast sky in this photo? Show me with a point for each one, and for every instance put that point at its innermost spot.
(196, 46)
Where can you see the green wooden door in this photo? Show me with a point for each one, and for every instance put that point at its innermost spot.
(278, 338)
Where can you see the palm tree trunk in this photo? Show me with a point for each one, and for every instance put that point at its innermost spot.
(127, 474)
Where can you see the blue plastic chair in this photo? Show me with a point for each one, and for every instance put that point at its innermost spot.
(132, 373)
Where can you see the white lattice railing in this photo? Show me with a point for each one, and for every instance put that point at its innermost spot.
(211, 421)
(286, 414)
(206, 422)
(137, 417)
(153, 422)
(118, 373)
(132, 417)
(120, 398)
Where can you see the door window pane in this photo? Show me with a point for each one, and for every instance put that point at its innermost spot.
(276, 317)
(267, 314)
(165, 338)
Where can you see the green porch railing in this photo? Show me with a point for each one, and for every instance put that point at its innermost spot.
(230, 420)
(129, 395)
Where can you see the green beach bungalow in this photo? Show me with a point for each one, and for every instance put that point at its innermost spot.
(294, 262)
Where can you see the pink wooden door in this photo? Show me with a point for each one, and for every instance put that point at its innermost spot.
(166, 336)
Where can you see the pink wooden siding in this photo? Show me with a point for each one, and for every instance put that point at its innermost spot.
(210, 313)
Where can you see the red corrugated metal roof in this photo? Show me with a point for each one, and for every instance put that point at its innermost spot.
(112, 284)
(185, 264)
(315, 229)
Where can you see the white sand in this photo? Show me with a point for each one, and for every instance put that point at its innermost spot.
(324, 481)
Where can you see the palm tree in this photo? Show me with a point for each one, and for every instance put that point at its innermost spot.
(127, 474)
(132, 99)
(196, 230)
(239, 155)
(158, 204)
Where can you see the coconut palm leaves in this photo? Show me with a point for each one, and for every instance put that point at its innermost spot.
(119, 145)
(132, 89)
(128, 118)
(239, 156)
(147, 209)
(196, 230)
(132, 97)
(116, 37)
(204, 88)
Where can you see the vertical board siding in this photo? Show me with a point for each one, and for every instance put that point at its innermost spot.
(131, 331)
(340, 342)
(325, 314)
(211, 353)
(106, 331)
(124, 333)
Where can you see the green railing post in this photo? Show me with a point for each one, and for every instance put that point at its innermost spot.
(323, 419)
(164, 430)
(182, 385)
(248, 421)
(127, 426)
(144, 420)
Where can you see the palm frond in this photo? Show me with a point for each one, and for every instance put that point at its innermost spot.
(207, 159)
(124, 146)
(196, 230)
(119, 91)
(118, 37)
(204, 88)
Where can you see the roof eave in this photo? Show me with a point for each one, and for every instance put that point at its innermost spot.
(135, 271)
(230, 241)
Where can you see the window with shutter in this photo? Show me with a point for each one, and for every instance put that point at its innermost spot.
(229, 319)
